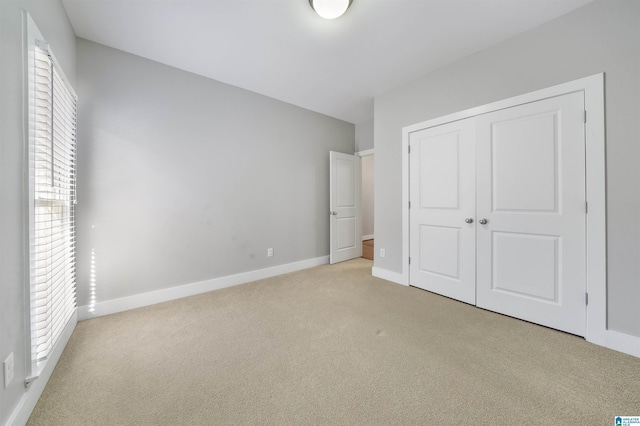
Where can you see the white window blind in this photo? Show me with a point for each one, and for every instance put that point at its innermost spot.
(52, 183)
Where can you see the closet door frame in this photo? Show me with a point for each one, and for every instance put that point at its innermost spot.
(596, 272)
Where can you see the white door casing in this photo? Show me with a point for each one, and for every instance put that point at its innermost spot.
(531, 191)
(344, 207)
(442, 175)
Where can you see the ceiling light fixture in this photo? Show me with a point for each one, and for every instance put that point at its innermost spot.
(330, 9)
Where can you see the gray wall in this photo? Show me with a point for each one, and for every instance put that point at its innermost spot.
(367, 195)
(52, 21)
(603, 36)
(364, 135)
(183, 179)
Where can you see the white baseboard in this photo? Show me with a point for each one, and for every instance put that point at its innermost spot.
(145, 299)
(385, 274)
(367, 237)
(621, 342)
(32, 394)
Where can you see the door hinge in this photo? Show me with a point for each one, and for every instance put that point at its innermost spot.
(409, 260)
(585, 116)
(409, 205)
(409, 146)
(586, 207)
(586, 298)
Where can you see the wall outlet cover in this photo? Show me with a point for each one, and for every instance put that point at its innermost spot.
(8, 370)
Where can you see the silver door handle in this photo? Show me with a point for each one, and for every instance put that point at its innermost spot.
(483, 221)
(468, 220)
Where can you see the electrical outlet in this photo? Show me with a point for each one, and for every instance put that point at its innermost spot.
(270, 252)
(8, 370)
(382, 253)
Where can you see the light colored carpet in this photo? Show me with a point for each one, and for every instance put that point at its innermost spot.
(331, 345)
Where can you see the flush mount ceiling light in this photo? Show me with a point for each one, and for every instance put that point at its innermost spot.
(330, 9)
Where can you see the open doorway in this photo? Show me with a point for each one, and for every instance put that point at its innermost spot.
(368, 236)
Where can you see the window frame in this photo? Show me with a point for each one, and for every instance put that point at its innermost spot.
(34, 40)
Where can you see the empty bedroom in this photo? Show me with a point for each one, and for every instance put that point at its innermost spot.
(365, 212)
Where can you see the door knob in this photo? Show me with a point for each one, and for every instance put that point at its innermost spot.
(483, 221)
(333, 213)
(468, 220)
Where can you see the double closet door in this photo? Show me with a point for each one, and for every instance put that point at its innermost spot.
(498, 211)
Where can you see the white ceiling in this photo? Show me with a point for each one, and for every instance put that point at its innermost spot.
(282, 49)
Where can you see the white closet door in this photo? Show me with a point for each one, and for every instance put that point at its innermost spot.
(531, 192)
(442, 242)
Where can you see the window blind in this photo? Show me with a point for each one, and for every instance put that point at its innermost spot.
(52, 168)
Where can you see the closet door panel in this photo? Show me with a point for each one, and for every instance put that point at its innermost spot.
(530, 184)
(442, 194)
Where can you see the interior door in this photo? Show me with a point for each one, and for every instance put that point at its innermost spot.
(344, 207)
(531, 212)
(441, 214)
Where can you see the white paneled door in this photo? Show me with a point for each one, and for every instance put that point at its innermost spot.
(442, 193)
(344, 207)
(531, 192)
(498, 214)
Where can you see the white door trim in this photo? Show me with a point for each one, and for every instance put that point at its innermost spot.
(365, 153)
(593, 88)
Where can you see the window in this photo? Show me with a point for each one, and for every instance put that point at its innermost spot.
(52, 199)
